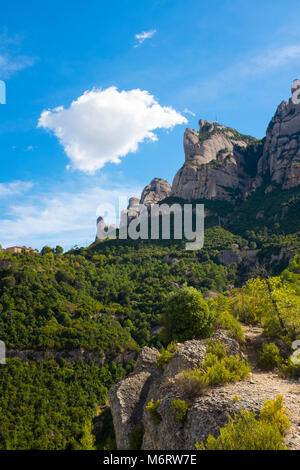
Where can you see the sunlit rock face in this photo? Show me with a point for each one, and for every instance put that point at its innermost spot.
(156, 191)
(214, 163)
(281, 157)
(223, 164)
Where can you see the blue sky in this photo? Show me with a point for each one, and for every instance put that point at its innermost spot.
(189, 59)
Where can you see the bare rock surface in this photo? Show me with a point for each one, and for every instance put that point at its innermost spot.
(212, 168)
(127, 398)
(156, 191)
(208, 412)
(281, 156)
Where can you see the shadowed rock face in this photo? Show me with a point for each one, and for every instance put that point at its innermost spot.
(156, 191)
(281, 156)
(127, 398)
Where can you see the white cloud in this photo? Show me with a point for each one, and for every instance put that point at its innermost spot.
(104, 125)
(188, 111)
(269, 60)
(63, 218)
(252, 67)
(11, 61)
(141, 37)
(14, 188)
(11, 64)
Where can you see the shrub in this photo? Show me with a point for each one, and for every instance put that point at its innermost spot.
(188, 316)
(154, 414)
(166, 354)
(246, 432)
(217, 369)
(271, 302)
(229, 369)
(192, 383)
(224, 318)
(274, 413)
(291, 370)
(136, 437)
(180, 408)
(221, 369)
(216, 348)
(269, 357)
(235, 398)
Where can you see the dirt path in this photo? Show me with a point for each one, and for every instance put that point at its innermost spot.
(270, 384)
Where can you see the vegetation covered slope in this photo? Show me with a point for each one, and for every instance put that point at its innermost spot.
(108, 299)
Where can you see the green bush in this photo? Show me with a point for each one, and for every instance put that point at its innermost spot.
(217, 369)
(136, 437)
(188, 316)
(269, 357)
(291, 370)
(229, 369)
(180, 408)
(246, 432)
(166, 354)
(216, 348)
(224, 318)
(154, 414)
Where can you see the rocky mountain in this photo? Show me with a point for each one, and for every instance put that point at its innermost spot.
(281, 155)
(222, 164)
(156, 191)
(214, 164)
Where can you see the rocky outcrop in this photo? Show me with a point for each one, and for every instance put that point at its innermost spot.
(214, 164)
(156, 191)
(127, 398)
(281, 156)
(220, 163)
(206, 414)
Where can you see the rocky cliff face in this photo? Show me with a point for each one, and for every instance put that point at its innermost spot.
(213, 167)
(129, 398)
(220, 163)
(281, 156)
(206, 414)
(156, 191)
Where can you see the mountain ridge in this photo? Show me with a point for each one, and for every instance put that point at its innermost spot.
(223, 164)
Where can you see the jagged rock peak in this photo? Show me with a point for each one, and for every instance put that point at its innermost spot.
(156, 191)
(200, 147)
(281, 157)
(213, 163)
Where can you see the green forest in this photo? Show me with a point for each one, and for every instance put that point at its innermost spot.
(111, 299)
